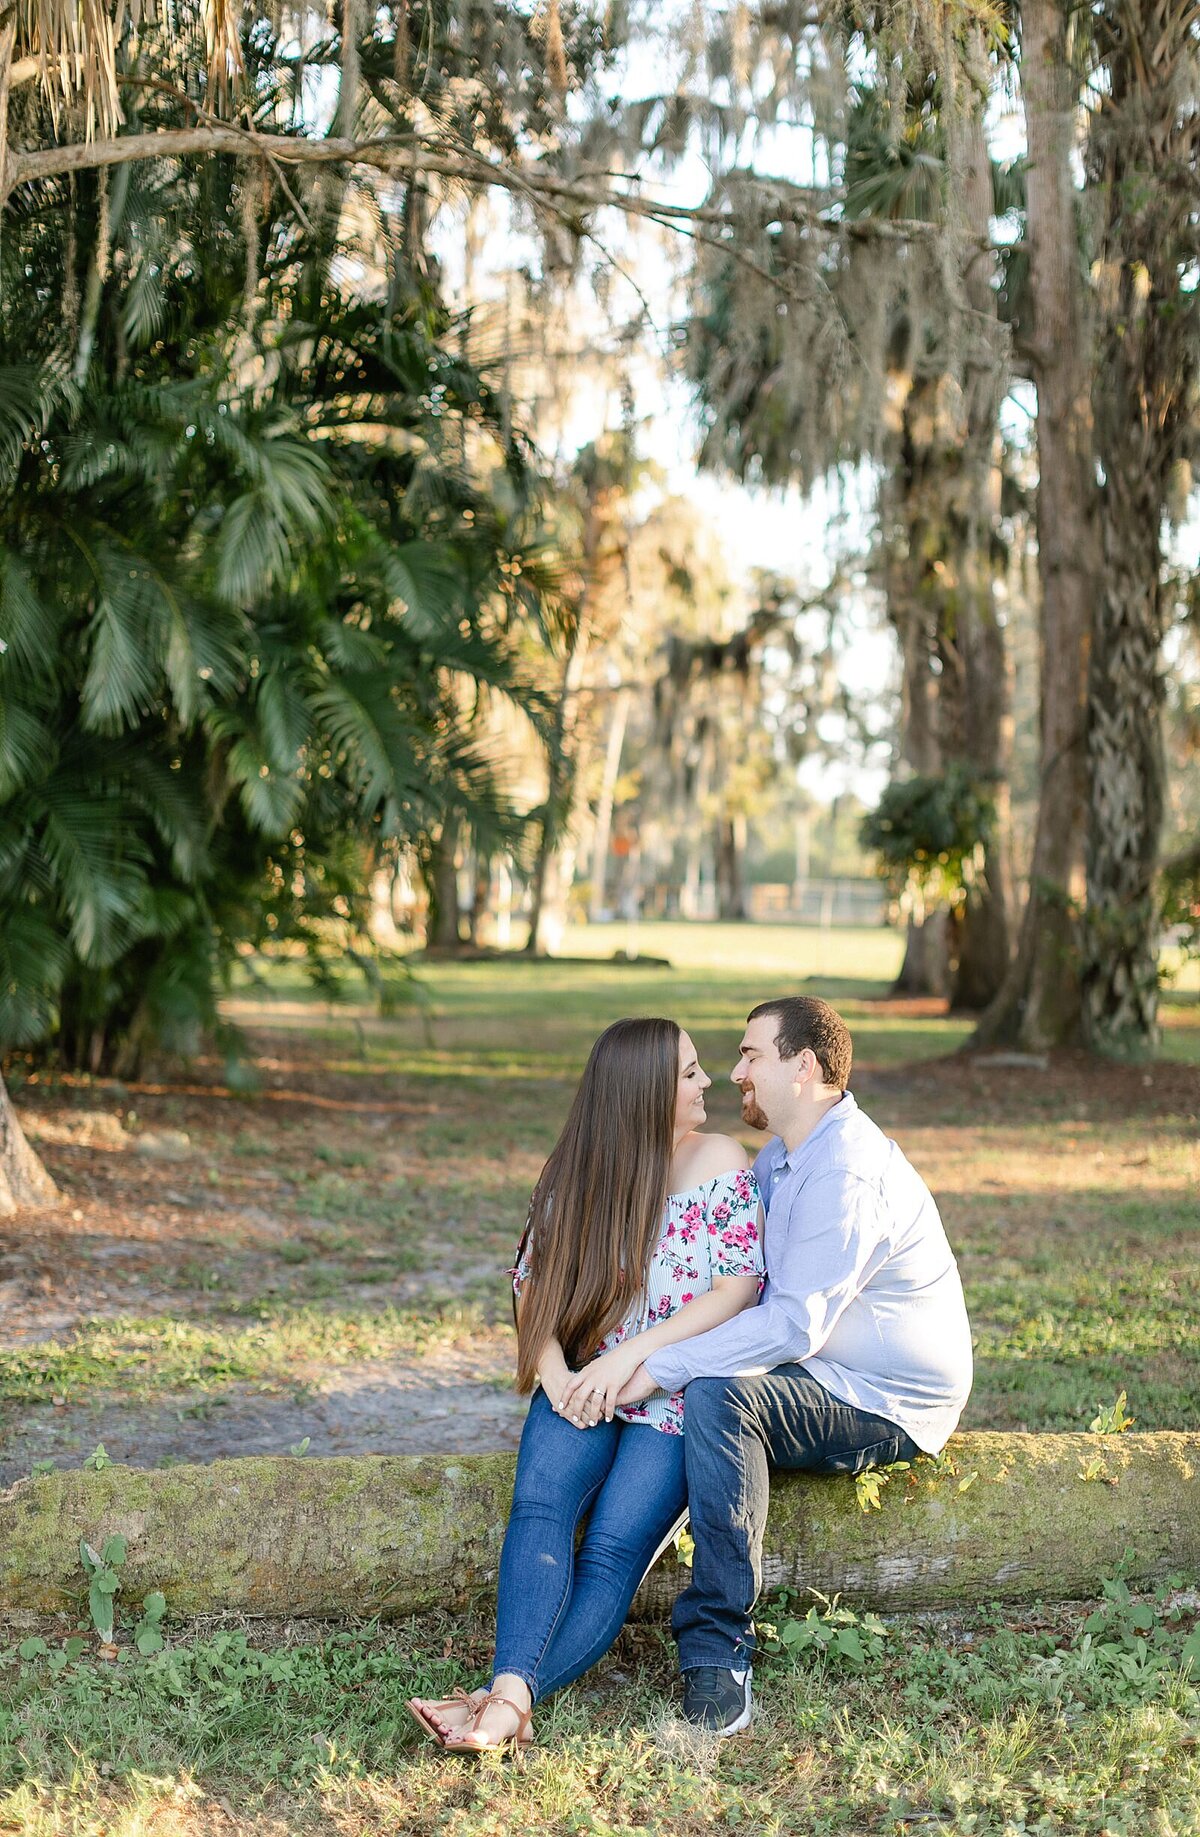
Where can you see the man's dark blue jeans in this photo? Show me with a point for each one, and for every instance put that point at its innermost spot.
(736, 1430)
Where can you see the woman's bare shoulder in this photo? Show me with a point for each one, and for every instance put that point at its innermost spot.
(705, 1157)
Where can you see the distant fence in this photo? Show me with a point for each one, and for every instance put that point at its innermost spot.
(841, 901)
(820, 902)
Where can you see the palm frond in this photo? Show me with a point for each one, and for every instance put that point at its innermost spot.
(29, 620)
(272, 799)
(27, 745)
(33, 960)
(371, 740)
(22, 411)
(283, 715)
(98, 864)
(122, 652)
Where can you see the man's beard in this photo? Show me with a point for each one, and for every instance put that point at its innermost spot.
(751, 1113)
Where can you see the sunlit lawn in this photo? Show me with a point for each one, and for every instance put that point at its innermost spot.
(363, 1206)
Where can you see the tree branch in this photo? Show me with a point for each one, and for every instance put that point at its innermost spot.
(403, 155)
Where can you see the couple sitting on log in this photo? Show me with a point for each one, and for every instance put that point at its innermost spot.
(670, 1370)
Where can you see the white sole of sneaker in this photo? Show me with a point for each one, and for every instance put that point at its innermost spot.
(740, 1725)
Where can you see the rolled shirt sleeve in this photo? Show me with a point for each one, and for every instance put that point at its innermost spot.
(815, 1273)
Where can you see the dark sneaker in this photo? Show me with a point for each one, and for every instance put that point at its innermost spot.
(717, 1699)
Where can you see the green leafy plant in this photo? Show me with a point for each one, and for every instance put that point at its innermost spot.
(869, 1484)
(103, 1581)
(1129, 1639)
(929, 834)
(252, 675)
(1112, 1419)
(1096, 1468)
(98, 1459)
(685, 1547)
(830, 1632)
(147, 1634)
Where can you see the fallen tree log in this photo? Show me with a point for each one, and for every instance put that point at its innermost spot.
(999, 1517)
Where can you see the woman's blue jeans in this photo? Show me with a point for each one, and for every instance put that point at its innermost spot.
(560, 1610)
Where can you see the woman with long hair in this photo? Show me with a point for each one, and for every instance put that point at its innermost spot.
(642, 1232)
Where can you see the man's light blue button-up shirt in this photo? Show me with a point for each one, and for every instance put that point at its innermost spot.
(862, 1286)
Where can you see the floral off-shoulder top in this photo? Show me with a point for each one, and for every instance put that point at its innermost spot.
(710, 1230)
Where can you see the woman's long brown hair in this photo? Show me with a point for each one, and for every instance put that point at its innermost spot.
(597, 1208)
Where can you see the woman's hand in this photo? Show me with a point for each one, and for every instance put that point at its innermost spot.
(592, 1393)
(553, 1372)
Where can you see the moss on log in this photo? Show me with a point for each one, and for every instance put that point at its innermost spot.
(1001, 1517)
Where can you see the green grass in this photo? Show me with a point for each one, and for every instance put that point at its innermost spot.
(1080, 1723)
(388, 1165)
(148, 1356)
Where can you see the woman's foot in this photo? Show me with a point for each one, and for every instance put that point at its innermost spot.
(501, 1720)
(442, 1717)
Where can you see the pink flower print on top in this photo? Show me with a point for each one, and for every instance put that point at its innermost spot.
(709, 1230)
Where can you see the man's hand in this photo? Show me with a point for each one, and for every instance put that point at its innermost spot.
(640, 1386)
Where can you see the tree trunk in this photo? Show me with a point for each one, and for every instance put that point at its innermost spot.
(23, 1179)
(481, 899)
(8, 37)
(984, 941)
(560, 868)
(562, 778)
(332, 183)
(926, 966)
(443, 928)
(1001, 1518)
(604, 803)
(1127, 772)
(1144, 138)
(730, 852)
(1039, 1004)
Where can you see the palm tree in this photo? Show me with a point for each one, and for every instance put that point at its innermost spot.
(247, 551)
(1143, 172)
(1115, 347)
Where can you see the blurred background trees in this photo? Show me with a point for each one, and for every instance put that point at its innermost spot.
(345, 590)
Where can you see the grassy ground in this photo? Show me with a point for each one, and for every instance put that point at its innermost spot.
(323, 1262)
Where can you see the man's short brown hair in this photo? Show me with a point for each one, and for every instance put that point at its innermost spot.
(805, 1020)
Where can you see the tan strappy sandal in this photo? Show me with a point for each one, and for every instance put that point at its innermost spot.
(472, 1740)
(424, 1711)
